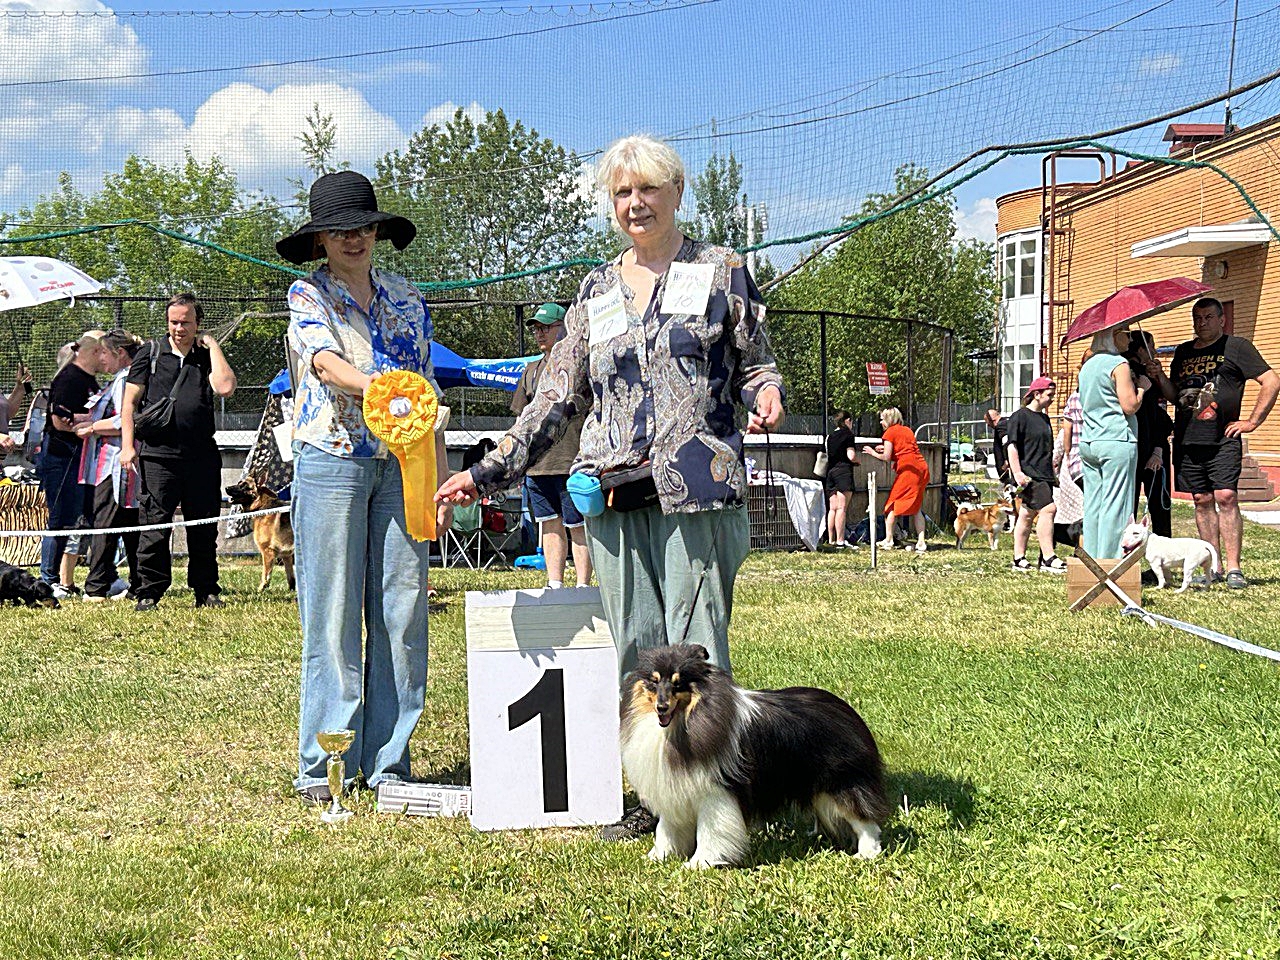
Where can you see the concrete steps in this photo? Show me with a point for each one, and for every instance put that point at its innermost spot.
(1254, 486)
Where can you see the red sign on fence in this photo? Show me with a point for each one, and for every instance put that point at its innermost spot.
(878, 378)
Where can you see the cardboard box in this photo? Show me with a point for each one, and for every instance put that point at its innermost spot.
(1080, 579)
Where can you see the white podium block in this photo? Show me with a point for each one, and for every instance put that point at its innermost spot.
(542, 683)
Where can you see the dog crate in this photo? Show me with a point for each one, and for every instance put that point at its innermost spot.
(770, 521)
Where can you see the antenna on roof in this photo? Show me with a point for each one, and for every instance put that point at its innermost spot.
(1231, 68)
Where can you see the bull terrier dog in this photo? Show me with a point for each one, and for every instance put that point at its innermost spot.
(1166, 553)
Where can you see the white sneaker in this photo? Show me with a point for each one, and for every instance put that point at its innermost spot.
(921, 547)
(884, 544)
(60, 592)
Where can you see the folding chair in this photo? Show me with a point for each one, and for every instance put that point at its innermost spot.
(462, 539)
(469, 542)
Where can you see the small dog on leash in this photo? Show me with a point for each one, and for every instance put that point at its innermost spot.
(711, 759)
(990, 520)
(272, 532)
(1166, 553)
(19, 587)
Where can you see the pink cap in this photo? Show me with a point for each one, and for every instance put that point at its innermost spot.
(1038, 384)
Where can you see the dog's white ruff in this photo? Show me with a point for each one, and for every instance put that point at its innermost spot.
(697, 817)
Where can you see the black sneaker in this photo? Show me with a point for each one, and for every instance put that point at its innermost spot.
(213, 600)
(635, 823)
(317, 794)
(146, 604)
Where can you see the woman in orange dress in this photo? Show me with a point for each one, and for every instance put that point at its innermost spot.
(906, 496)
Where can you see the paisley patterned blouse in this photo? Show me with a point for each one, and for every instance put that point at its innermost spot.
(394, 335)
(663, 389)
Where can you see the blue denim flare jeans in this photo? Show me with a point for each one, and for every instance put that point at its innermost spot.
(362, 598)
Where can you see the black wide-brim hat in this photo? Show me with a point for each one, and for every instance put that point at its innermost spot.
(343, 201)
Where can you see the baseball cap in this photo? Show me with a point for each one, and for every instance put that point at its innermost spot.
(1038, 384)
(547, 314)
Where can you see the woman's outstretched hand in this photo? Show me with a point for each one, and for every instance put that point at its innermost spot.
(460, 489)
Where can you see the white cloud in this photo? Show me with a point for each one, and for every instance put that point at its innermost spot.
(100, 45)
(33, 123)
(978, 221)
(443, 113)
(256, 131)
(1159, 64)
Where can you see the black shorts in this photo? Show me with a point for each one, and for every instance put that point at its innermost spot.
(1201, 468)
(840, 478)
(1037, 495)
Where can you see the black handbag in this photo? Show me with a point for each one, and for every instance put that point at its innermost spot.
(156, 418)
(632, 489)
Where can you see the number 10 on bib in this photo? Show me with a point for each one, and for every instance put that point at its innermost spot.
(542, 681)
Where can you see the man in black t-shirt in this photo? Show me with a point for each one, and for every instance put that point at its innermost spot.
(1029, 446)
(1206, 386)
(180, 466)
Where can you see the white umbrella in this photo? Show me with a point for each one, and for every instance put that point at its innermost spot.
(27, 281)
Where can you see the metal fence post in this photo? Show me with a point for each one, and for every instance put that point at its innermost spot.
(822, 361)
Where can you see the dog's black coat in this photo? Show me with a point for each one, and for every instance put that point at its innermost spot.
(795, 743)
(17, 586)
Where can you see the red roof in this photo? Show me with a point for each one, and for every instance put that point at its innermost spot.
(1194, 131)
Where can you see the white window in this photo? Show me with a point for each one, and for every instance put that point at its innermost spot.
(1018, 268)
(1017, 370)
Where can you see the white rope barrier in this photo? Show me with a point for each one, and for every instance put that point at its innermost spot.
(92, 532)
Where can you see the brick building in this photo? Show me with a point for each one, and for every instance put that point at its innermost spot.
(1064, 245)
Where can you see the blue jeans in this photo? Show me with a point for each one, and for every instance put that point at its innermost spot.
(362, 598)
(65, 499)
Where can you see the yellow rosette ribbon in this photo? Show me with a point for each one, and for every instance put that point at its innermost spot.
(400, 408)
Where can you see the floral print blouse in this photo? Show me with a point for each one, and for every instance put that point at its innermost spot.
(394, 335)
(662, 388)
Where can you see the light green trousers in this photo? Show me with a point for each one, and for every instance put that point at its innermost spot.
(649, 563)
(1109, 478)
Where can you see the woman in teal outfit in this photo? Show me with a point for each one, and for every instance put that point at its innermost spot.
(1109, 441)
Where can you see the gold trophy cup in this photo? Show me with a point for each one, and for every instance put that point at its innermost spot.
(336, 743)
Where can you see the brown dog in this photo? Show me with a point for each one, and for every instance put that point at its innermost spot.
(988, 519)
(272, 532)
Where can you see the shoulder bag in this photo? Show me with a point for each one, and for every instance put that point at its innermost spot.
(157, 417)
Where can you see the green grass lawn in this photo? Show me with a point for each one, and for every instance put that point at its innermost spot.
(1070, 785)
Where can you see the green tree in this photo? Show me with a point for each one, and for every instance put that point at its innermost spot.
(721, 205)
(488, 198)
(907, 265)
(725, 214)
(201, 199)
(318, 142)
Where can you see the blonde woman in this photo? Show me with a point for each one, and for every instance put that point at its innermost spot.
(906, 496)
(661, 347)
(59, 464)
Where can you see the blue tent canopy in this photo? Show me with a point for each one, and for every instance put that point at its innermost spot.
(455, 371)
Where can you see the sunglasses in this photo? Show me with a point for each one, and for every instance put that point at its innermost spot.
(368, 230)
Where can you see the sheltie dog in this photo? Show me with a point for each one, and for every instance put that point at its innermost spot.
(710, 759)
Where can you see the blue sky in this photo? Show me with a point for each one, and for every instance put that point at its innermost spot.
(820, 99)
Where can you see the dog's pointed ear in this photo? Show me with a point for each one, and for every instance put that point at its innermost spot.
(1146, 520)
(701, 651)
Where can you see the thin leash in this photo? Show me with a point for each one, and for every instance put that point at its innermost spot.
(715, 536)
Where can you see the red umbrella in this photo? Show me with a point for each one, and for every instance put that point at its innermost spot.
(1131, 304)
